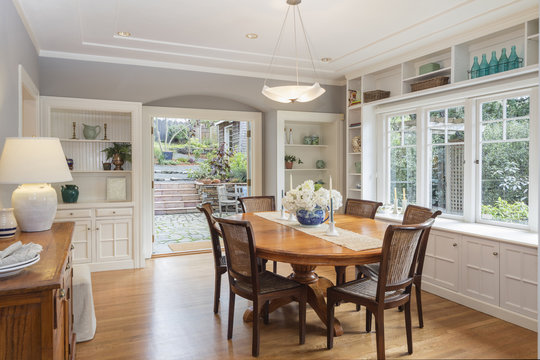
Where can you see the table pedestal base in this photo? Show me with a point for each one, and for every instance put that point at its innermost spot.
(316, 289)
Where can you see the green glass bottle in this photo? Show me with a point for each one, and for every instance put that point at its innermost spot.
(475, 69)
(503, 61)
(484, 66)
(493, 63)
(513, 59)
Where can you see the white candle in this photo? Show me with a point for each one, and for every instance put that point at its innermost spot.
(395, 195)
(330, 186)
(404, 197)
(290, 177)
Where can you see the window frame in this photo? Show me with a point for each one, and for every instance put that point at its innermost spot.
(533, 158)
(428, 153)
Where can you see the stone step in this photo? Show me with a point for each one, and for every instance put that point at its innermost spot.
(175, 191)
(159, 185)
(175, 211)
(176, 197)
(175, 204)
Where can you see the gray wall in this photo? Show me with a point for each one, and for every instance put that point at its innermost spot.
(15, 48)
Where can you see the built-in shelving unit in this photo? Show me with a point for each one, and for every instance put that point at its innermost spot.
(455, 62)
(106, 219)
(292, 127)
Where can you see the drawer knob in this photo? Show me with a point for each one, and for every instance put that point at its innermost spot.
(89, 229)
(495, 253)
(62, 294)
(73, 246)
(71, 213)
(97, 228)
(454, 244)
(68, 266)
(114, 212)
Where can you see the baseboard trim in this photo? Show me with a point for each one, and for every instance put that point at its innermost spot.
(116, 265)
(496, 311)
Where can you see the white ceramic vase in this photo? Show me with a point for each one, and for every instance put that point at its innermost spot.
(8, 224)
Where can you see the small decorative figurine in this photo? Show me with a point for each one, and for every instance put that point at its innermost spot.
(74, 137)
(105, 130)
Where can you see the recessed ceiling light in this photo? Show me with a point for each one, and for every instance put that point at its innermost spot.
(252, 36)
(124, 33)
(326, 59)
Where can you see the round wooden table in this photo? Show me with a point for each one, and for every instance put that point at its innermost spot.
(305, 252)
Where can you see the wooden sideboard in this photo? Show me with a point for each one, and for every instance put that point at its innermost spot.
(36, 305)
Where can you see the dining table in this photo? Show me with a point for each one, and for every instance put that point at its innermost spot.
(304, 252)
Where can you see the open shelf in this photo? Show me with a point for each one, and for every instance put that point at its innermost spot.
(351, 189)
(440, 72)
(112, 172)
(355, 174)
(533, 37)
(96, 141)
(355, 153)
(306, 169)
(304, 145)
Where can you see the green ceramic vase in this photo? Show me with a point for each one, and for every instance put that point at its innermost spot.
(70, 193)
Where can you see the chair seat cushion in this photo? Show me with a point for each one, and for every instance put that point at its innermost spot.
(269, 282)
(369, 270)
(367, 288)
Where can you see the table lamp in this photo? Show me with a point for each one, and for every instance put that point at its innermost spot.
(33, 162)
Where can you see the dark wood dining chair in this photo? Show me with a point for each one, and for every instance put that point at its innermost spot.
(220, 266)
(260, 287)
(414, 214)
(259, 203)
(361, 208)
(391, 289)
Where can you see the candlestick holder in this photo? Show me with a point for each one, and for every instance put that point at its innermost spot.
(331, 231)
(74, 137)
(291, 217)
(404, 205)
(395, 208)
(105, 129)
(283, 215)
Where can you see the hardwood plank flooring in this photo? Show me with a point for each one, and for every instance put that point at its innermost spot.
(165, 312)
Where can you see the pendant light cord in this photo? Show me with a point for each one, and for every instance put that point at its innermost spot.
(308, 48)
(269, 71)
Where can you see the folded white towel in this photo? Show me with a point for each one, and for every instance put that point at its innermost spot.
(23, 253)
(10, 249)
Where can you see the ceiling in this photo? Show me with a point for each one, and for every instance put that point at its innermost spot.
(210, 35)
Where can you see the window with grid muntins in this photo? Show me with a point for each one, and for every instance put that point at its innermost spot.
(402, 156)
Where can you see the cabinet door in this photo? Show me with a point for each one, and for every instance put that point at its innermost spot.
(82, 242)
(114, 239)
(441, 265)
(480, 269)
(519, 279)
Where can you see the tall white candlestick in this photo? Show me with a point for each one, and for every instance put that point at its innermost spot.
(330, 186)
(290, 177)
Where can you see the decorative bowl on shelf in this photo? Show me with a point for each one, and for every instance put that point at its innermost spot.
(320, 164)
(356, 143)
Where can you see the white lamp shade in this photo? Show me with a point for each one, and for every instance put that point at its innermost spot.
(293, 93)
(33, 160)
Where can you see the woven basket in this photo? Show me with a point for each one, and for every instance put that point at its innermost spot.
(426, 84)
(375, 95)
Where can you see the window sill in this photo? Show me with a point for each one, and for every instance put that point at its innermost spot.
(490, 232)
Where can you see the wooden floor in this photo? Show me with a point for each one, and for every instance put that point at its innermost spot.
(165, 312)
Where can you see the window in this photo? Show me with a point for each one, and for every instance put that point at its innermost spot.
(504, 152)
(446, 152)
(402, 156)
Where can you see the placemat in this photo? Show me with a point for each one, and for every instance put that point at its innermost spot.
(346, 238)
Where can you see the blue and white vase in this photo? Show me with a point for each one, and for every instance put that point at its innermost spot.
(314, 217)
(8, 224)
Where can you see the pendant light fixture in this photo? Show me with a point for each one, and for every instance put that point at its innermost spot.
(293, 93)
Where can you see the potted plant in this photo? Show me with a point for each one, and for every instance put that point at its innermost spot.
(290, 159)
(119, 153)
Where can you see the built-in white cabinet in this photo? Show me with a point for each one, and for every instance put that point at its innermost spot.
(441, 264)
(480, 269)
(106, 213)
(519, 279)
(492, 276)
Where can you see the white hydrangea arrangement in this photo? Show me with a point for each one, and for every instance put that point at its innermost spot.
(305, 197)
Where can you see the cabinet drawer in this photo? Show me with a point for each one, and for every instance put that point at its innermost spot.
(75, 213)
(114, 212)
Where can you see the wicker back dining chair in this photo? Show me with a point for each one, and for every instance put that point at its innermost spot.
(361, 208)
(391, 289)
(414, 214)
(246, 281)
(259, 203)
(220, 266)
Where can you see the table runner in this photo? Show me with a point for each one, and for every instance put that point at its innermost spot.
(346, 238)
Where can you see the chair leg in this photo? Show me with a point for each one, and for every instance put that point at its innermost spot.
(357, 275)
(379, 336)
(302, 317)
(418, 290)
(329, 321)
(368, 320)
(231, 315)
(217, 291)
(255, 337)
(408, 326)
(266, 309)
(275, 267)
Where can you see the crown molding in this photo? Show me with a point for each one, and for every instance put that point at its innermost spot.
(24, 20)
